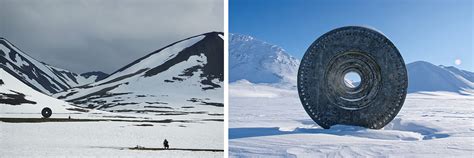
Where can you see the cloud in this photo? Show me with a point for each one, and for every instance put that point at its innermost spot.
(86, 35)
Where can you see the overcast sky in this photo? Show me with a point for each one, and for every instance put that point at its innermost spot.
(91, 35)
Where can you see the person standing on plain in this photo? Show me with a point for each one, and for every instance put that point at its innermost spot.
(165, 144)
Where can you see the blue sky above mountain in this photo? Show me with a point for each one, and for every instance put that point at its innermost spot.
(436, 31)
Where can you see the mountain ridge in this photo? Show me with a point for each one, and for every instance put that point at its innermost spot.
(189, 71)
(36, 74)
(422, 76)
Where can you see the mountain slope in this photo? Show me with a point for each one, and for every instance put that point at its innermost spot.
(186, 73)
(463, 73)
(40, 76)
(424, 76)
(260, 62)
(17, 97)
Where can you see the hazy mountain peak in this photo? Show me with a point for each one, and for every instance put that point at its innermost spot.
(249, 56)
(424, 76)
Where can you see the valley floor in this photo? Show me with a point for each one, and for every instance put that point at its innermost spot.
(270, 122)
(109, 137)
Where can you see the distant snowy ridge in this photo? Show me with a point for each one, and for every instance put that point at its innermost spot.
(260, 62)
(424, 76)
(257, 61)
(40, 76)
(189, 72)
(74, 79)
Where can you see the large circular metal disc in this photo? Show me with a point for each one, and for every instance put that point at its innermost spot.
(46, 112)
(324, 91)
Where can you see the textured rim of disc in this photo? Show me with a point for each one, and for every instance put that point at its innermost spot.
(379, 96)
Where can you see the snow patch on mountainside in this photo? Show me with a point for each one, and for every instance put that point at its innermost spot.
(93, 76)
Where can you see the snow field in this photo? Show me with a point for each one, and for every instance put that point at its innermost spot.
(430, 124)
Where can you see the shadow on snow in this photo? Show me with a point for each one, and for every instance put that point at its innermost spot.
(396, 130)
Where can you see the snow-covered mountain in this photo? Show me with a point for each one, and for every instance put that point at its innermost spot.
(38, 75)
(424, 76)
(185, 74)
(260, 62)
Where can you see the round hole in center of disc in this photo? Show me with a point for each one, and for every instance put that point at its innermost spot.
(352, 79)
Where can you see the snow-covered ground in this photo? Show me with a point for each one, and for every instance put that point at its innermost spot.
(104, 137)
(265, 121)
(108, 139)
